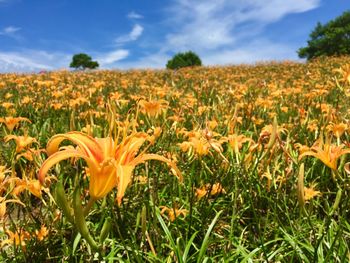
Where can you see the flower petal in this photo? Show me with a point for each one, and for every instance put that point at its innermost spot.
(86, 143)
(127, 150)
(146, 157)
(124, 173)
(107, 146)
(59, 156)
(103, 181)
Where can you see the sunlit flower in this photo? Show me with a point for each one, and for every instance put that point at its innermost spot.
(210, 189)
(236, 141)
(326, 152)
(153, 107)
(110, 164)
(42, 233)
(3, 203)
(345, 73)
(32, 186)
(310, 192)
(337, 129)
(26, 100)
(173, 213)
(21, 141)
(7, 105)
(12, 122)
(17, 238)
(30, 154)
(201, 142)
(302, 148)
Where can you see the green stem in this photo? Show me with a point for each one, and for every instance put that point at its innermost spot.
(80, 222)
(89, 205)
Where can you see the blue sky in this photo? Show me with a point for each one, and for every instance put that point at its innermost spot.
(44, 34)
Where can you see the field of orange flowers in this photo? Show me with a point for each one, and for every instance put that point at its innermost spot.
(246, 163)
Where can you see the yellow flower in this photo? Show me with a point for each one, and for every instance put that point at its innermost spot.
(153, 108)
(337, 129)
(201, 142)
(21, 141)
(110, 164)
(42, 233)
(310, 192)
(173, 213)
(326, 152)
(214, 189)
(236, 141)
(345, 73)
(32, 186)
(3, 203)
(12, 122)
(18, 238)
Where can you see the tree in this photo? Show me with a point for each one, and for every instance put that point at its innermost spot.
(186, 59)
(330, 39)
(83, 61)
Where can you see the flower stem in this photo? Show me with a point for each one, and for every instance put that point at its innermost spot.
(89, 205)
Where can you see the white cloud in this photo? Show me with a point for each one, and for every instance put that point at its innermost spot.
(135, 33)
(29, 60)
(207, 25)
(217, 31)
(111, 57)
(134, 15)
(10, 30)
(273, 10)
(257, 51)
(154, 60)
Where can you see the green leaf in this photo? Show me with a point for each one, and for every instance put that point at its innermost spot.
(76, 242)
(205, 242)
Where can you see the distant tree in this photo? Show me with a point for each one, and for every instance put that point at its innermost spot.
(186, 59)
(330, 39)
(83, 61)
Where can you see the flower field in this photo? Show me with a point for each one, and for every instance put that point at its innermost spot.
(205, 164)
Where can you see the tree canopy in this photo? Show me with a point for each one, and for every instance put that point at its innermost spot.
(330, 39)
(83, 61)
(186, 59)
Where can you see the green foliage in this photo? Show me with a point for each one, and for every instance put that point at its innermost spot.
(330, 39)
(181, 60)
(83, 61)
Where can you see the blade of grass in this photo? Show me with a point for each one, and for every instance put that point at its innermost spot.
(205, 242)
(168, 235)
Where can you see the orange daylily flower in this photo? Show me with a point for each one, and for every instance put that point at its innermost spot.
(310, 192)
(211, 189)
(173, 213)
(32, 186)
(153, 108)
(345, 73)
(326, 152)
(42, 233)
(270, 131)
(18, 238)
(21, 141)
(110, 164)
(3, 203)
(12, 122)
(201, 142)
(236, 141)
(337, 129)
